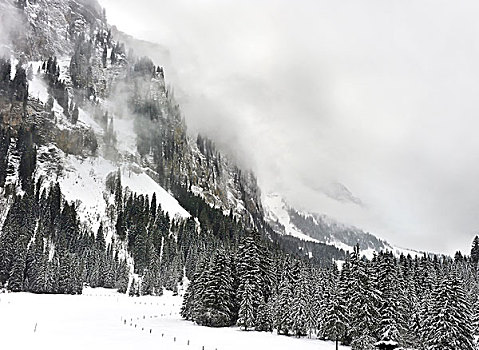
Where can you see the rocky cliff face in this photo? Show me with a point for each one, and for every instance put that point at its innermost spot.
(91, 96)
(41, 28)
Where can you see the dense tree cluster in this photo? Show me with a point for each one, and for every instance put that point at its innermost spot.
(424, 303)
(19, 85)
(163, 248)
(44, 250)
(28, 157)
(319, 254)
(16, 88)
(80, 67)
(208, 149)
(5, 73)
(4, 148)
(56, 87)
(319, 227)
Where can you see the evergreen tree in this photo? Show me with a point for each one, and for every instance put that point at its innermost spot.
(450, 326)
(104, 56)
(336, 315)
(192, 302)
(299, 308)
(475, 309)
(475, 250)
(283, 320)
(38, 273)
(119, 192)
(133, 291)
(15, 282)
(4, 147)
(390, 308)
(363, 301)
(65, 274)
(100, 240)
(123, 277)
(28, 158)
(113, 58)
(217, 298)
(246, 318)
(75, 114)
(5, 71)
(20, 85)
(249, 270)
(264, 321)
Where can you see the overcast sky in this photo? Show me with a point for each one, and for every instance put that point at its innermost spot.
(382, 96)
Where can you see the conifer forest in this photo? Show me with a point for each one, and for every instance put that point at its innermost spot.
(104, 187)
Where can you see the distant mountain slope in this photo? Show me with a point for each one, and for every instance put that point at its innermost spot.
(286, 220)
(340, 193)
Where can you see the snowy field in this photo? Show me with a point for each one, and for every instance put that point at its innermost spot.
(103, 319)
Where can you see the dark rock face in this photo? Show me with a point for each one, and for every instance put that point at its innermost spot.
(11, 114)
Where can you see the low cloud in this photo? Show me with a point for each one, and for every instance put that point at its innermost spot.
(379, 96)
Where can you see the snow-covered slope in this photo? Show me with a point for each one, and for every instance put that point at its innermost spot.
(83, 179)
(277, 214)
(286, 220)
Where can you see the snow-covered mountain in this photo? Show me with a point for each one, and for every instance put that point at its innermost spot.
(286, 220)
(340, 193)
(108, 136)
(99, 112)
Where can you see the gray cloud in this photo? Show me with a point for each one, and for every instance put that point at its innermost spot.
(10, 28)
(378, 95)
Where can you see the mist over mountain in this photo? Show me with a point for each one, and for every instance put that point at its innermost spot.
(367, 100)
(118, 180)
(286, 220)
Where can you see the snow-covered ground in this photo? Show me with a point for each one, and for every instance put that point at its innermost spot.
(126, 137)
(37, 87)
(103, 319)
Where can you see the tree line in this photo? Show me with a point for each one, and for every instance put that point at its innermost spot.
(427, 302)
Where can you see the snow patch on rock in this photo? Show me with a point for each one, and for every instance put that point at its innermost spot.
(275, 211)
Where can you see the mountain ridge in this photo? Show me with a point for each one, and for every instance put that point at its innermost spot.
(106, 106)
(286, 220)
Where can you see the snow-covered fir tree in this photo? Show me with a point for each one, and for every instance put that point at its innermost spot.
(246, 316)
